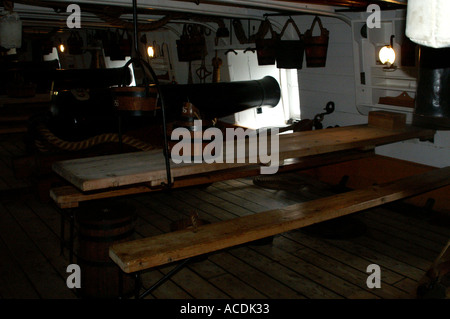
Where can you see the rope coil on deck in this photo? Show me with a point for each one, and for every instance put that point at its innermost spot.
(87, 143)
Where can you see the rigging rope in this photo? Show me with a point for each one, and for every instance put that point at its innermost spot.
(87, 143)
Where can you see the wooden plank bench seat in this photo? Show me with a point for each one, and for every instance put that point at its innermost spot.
(141, 254)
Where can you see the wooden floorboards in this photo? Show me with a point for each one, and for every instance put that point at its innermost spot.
(296, 265)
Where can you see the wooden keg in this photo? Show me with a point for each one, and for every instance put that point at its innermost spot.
(135, 99)
(101, 225)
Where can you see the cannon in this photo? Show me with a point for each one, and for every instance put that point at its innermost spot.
(85, 104)
(215, 100)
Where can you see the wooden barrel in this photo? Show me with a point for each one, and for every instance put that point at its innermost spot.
(135, 99)
(99, 226)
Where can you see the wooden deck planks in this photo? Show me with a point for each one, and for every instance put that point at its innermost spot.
(336, 257)
(317, 251)
(272, 271)
(176, 209)
(372, 246)
(248, 267)
(14, 284)
(45, 279)
(204, 212)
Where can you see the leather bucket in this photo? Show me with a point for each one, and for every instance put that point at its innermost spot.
(289, 53)
(316, 47)
(75, 44)
(192, 44)
(266, 48)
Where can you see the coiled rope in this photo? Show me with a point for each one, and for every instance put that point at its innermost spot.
(87, 143)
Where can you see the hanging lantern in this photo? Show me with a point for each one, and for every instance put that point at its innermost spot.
(10, 31)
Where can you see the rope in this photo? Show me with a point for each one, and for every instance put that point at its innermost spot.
(112, 17)
(87, 143)
(141, 26)
(8, 5)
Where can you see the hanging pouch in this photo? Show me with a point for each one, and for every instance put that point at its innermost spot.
(112, 46)
(125, 44)
(289, 53)
(75, 43)
(265, 48)
(316, 47)
(192, 44)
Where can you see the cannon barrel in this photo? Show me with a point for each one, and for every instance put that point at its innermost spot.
(15, 74)
(216, 100)
(78, 115)
(90, 78)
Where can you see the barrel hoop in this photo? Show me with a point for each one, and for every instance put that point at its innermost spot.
(309, 45)
(84, 261)
(106, 239)
(103, 226)
(140, 94)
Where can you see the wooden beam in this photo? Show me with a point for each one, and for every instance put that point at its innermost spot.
(158, 250)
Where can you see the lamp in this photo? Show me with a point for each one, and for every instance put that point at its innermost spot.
(11, 31)
(150, 51)
(387, 55)
(61, 46)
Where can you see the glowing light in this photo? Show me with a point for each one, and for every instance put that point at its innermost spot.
(150, 51)
(62, 48)
(387, 55)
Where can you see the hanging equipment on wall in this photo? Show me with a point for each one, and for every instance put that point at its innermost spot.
(217, 64)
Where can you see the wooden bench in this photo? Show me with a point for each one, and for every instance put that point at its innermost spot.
(141, 254)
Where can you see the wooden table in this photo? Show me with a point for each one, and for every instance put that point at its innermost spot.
(109, 172)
